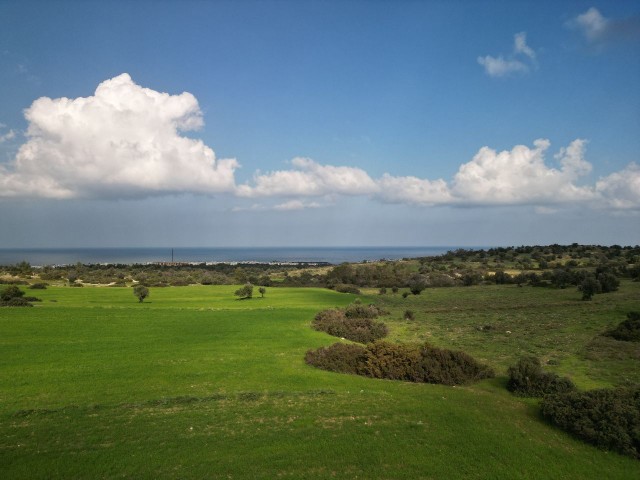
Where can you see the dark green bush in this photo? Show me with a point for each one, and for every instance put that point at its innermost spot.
(629, 330)
(607, 418)
(339, 357)
(344, 288)
(15, 302)
(361, 329)
(527, 379)
(393, 361)
(409, 315)
(12, 296)
(357, 310)
(10, 292)
(408, 362)
(39, 286)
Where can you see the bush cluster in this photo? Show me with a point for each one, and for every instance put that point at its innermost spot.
(629, 330)
(355, 323)
(339, 357)
(409, 362)
(12, 296)
(607, 418)
(345, 288)
(527, 379)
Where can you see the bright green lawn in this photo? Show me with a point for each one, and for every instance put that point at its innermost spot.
(195, 384)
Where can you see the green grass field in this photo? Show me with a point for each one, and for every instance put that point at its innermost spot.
(196, 384)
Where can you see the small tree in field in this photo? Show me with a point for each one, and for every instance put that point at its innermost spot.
(245, 292)
(141, 292)
(262, 291)
(589, 287)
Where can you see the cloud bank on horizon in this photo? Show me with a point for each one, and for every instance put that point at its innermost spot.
(126, 141)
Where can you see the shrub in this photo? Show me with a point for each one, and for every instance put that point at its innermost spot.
(245, 292)
(12, 296)
(408, 362)
(355, 323)
(339, 357)
(629, 330)
(39, 286)
(357, 310)
(409, 315)
(141, 292)
(607, 418)
(527, 379)
(392, 361)
(608, 282)
(344, 288)
(417, 283)
(589, 287)
(10, 292)
(15, 302)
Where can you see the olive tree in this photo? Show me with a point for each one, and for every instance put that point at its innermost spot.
(245, 292)
(141, 292)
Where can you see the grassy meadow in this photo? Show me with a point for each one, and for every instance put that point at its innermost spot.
(194, 383)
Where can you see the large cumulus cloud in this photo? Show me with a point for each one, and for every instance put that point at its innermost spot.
(521, 176)
(124, 141)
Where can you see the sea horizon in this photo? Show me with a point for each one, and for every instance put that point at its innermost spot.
(143, 255)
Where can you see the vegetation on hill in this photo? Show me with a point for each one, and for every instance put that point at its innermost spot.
(628, 330)
(12, 296)
(356, 323)
(607, 418)
(408, 362)
(230, 382)
(594, 269)
(528, 379)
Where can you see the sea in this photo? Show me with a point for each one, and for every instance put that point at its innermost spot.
(333, 255)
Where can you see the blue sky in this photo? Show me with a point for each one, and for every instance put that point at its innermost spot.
(332, 123)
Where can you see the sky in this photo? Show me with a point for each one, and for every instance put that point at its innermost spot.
(319, 123)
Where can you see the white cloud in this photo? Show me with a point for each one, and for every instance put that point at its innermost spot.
(591, 23)
(11, 134)
(309, 178)
(413, 190)
(500, 66)
(597, 29)
(122, 142)
(296, 205)
(621, 189)
(290, 205)
(520, 176)
(520, 46)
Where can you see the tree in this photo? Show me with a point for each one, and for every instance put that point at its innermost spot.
(245, 292)
(608, 282)
(262, 291)
(589, 287)
(141, 292)
(417, 283)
